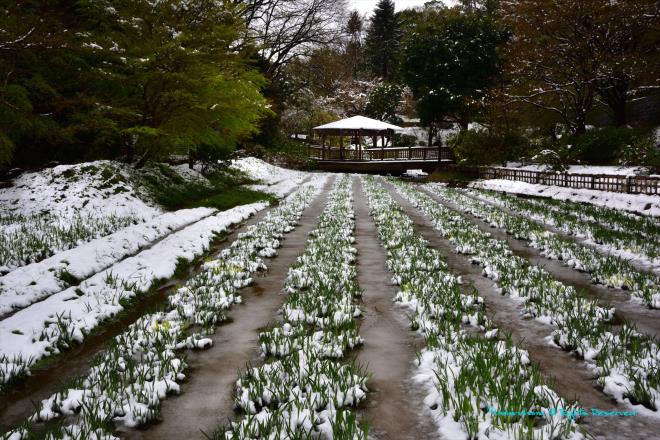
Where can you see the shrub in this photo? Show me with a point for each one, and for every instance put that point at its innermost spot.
(603, 146)
(644, 151)
(405, 140)
(484, 147)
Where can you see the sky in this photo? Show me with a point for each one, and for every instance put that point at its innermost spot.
(367, 6)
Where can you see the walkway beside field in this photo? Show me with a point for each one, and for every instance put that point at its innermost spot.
(394, 409)
(571, 378)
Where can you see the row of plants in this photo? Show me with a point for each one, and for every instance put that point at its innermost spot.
(481, 384)
(625, 362)
(304, 390)
(638, 238)
(609, 270)
(611, 218)
(29, 239)
(141, 366)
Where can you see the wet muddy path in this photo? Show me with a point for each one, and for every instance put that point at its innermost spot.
(206, 399)
(627, 309)
(569, 376)
(394, 408)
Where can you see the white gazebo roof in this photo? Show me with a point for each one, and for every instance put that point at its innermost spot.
(357, 123)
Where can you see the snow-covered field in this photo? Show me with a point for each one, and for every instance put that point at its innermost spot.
(307, 381)
(584, 169)
(636, 203)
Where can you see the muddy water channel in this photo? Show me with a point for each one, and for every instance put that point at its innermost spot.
(569, 376)
(206, 399)
(627, 309)
(394, 408)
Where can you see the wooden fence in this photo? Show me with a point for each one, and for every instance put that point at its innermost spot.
(602, 182)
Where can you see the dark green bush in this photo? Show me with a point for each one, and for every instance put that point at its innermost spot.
(405, 140)
(605, 145)
(485, 148)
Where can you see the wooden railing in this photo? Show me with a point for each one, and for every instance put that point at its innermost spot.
(602, 182)
(370, 154)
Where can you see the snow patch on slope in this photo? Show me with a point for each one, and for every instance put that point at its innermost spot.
(276, 180)
(92, 188)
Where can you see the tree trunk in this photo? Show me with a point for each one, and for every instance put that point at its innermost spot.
(615, 93)
(430, 135)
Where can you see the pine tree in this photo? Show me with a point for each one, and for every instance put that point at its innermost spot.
(383, 41)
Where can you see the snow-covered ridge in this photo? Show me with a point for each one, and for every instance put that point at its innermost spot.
(28, 284)
(44, 327)
(637, 203)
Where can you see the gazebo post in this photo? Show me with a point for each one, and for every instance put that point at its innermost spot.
(359, 141)
(382, 147)
(341, 146)
(323, 147)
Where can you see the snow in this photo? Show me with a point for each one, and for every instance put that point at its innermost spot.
(34, 332)
(582, 169)
(637, 203)
(66, 190)
(275, 180)
(358, 123)
(28, 284)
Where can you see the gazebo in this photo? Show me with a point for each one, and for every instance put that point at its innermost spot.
(355, 127)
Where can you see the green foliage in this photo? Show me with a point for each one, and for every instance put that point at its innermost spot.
(604, 146)
(222, 190)
(95, 81)
(383, 101)
(484, 147)
(450, 61)
(601, 146)
(405, 140)
(382, 45)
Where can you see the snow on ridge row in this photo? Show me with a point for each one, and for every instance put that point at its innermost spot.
(28, 284)
(625, 362)
(38, 330)
(638, 203)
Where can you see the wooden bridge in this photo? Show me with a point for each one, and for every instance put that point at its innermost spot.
(394, 160)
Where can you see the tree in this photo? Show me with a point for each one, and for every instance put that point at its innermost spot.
(47, 108)
(283, 30)
(183, 84)
(628, 39)
(383, 41)
(354, 49)
(588, 49)
(449, 61)
(383, 102)
(85, 80)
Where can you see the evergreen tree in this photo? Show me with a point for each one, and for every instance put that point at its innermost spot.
(354, 46)
(450, 61)
(383, 41)
(85, 80)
